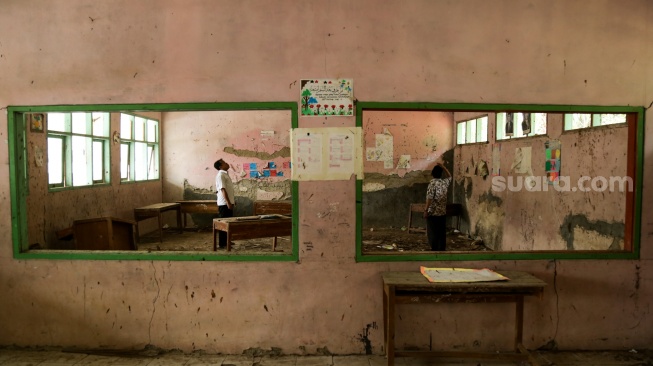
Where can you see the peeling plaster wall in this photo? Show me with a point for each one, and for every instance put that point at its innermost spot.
(539, 51)
(388, 192)
(510, 217)
(195, 140)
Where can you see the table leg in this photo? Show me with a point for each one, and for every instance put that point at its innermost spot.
(390, 337)
(228, 239)
(274, 244)
(215, 246)
(181, 228)
(160, 228)
(519, 322)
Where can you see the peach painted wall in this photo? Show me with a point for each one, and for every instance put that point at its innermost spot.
(506, 51)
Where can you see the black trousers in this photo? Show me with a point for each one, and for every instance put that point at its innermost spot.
(436, 232)
(223, 212)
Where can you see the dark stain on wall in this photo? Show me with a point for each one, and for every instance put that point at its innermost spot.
(614, 230)
(489, 225)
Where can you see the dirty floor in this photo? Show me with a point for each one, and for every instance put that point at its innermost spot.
(375, 240)
(24, 357)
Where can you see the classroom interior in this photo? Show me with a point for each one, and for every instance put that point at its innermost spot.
(503, 94)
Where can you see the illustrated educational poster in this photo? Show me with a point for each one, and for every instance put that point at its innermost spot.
(327, 97)
(326, 153)
(552, 164)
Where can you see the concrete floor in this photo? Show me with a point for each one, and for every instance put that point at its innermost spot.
(23, 357)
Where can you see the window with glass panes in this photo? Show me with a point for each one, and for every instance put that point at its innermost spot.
(78, 149)
(575, 121)
(472, 130)
(511, 125)
(139, 148)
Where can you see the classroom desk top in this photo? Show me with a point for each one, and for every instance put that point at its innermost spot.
(519, 283)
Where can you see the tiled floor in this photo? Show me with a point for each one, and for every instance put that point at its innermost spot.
(22, 357)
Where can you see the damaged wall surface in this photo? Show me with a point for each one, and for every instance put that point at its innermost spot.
(514, 216)
(522, 52)
(401, 149)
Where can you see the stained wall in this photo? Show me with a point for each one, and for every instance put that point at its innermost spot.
(527, 52)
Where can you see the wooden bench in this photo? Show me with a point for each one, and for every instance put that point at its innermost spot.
(197, 206)
(252, 227)
(273, 207)
(104, 233)
(155, 211)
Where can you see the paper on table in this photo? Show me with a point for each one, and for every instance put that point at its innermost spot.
(461, 275)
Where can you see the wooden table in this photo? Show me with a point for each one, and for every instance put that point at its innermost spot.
(414, 288)
(252, 227)
(156, 210)
(197, 206)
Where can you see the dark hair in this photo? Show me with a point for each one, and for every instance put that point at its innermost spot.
(437, 171)
(217, 164)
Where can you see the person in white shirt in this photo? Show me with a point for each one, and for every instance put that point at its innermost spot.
(226, 199)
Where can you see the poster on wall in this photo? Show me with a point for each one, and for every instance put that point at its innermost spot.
(552, 164)
(509, 124)
(521, 163)
(326, 97)
(326, 153)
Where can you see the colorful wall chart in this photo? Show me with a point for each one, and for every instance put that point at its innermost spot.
(552, 165)
(327, 97)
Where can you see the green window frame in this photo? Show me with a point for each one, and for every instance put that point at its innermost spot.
(634, 201)
(19, 179)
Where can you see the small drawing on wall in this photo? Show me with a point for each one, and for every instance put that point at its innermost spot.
(36, 122)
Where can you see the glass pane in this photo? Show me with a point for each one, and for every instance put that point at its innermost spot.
(152, 130)
(140, 161)
(539, 123)
(461, 133)
(471, 131)
(577, 120)
(481, 129)
(124, 161)
(100, 124)
(501, 126)
(126, 126)
(152, 163)
(57, 122)
(80, 164)
(98, 161)
(79, 122)
(139, 129)
(611, 119)
(55, 160)
(517, 119)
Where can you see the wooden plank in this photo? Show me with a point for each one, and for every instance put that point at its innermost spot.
(272, 207)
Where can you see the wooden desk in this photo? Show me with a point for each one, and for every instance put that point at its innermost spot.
(104, 233)
(252, 227)
(197, 206)
(156, 210)
(414, 288)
